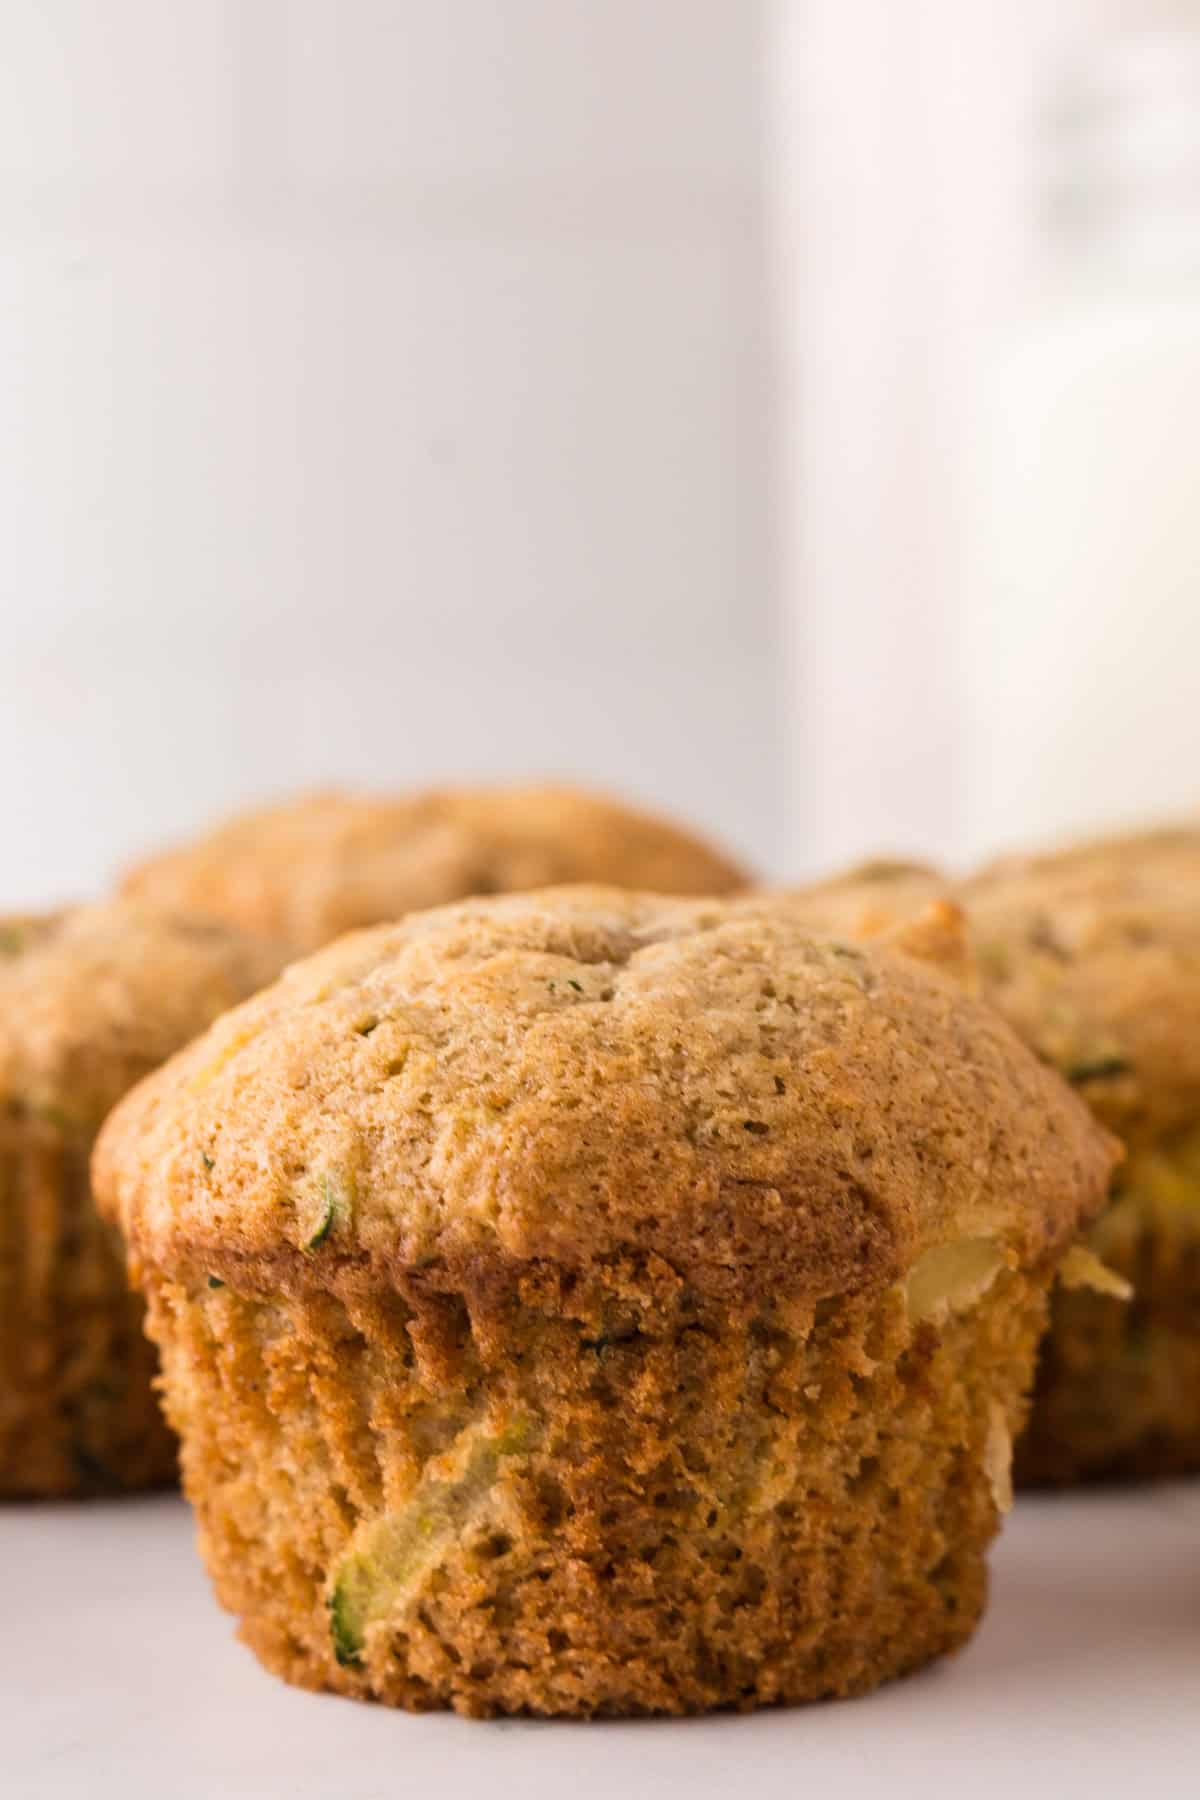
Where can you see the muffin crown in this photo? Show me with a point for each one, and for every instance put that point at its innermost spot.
(576, 1073)
(93, 998)
(1092, 953)
(868, 899)
(315, 866)
(1094, 957)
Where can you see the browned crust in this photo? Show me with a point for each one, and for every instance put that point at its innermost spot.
(566, 1074)
(312, 867)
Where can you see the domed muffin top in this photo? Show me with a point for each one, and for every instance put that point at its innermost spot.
(1153, 849)
(313, 867)
(93, 998)
(1091, 951)
(1094, 957)
(577, 1073)
(868, 899)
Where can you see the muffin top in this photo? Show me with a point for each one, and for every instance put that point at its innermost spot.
(1091, 952)
(1151, 848)
(1094, 958)
(577, 1073)
(868, 899)
(93, 998)
(312, 867)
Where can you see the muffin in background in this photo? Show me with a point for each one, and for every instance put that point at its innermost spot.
(590, 1303)
(870, 899)
(1092, 954)
(1094, 957)
(1160, 849)
(311, 867)
(91, 1000)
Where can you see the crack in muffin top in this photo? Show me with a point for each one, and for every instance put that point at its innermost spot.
(315, 866)
(94, 997)
(574, 1073)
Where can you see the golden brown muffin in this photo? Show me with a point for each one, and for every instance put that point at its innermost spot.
(90, 1001)
(868, 900)
(1092, 953)
(1149, 848)
(591, 1303)
(310, 868)
(1094, 957)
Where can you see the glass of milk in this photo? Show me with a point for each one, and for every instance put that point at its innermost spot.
(1081, 629)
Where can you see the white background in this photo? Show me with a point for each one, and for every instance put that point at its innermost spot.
(398, 389)
(383, 396)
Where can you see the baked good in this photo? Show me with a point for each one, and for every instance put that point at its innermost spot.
(311, 867)
(1094, 957)
(590, 1303)
(90, 1001)
(1092, 954)
(868, 900)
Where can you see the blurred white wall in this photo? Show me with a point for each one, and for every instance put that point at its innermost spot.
(905, 196)
(383, 396)
(906, 157)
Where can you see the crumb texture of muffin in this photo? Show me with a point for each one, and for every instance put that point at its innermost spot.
(1093, 955)
(310, 868)
(588, 1303)
(91, 1000)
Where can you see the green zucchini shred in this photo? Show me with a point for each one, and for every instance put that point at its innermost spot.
(1098, 1068)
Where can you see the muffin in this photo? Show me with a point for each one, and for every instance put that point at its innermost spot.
(1092, 953)
(1161, 848)
(868, 900)
(1094, 957)
(599, 1304)
(313, 867)
(90, 1001)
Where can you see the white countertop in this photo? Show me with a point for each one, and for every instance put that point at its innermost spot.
(119, 1677)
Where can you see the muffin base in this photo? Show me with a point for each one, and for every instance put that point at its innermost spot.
(1117, 1395)
(78, 1412)
(695, 1509)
